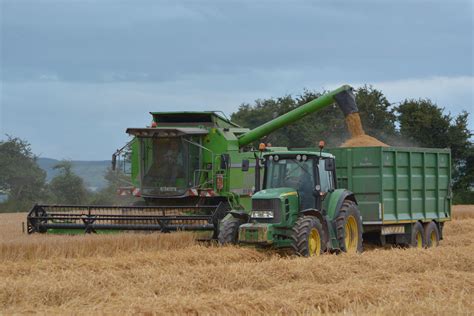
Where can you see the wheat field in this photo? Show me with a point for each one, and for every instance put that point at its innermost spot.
(171, 273)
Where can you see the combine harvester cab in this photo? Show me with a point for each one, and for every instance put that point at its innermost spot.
(189, 168)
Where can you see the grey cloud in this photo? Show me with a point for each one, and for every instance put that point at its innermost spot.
(121, 41)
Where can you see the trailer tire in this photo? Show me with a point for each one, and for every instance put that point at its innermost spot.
(229, 232)
(308, 237)
(417, 236)
(349, 228)
(431, 235)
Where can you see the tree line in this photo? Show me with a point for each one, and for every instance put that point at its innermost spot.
(24, 183)
(419, 123)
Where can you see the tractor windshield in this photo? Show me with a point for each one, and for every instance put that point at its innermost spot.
(168, 165)
(292, 173)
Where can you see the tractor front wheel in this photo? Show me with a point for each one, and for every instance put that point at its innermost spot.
(349, 228)
(308, 237)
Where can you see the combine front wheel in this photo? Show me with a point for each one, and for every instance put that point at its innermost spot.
(229, 232)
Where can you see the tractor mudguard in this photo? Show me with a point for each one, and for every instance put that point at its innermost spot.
(336, 199)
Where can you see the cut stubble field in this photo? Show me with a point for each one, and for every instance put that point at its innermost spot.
(171, 273)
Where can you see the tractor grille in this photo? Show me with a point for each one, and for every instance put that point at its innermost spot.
(268, 205)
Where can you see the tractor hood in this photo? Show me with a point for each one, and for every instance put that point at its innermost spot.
(166, 132)
(274, 193)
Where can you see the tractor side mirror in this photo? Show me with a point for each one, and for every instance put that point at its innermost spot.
(245, 165)
(114, 162)
(225, 161)
(329, 164)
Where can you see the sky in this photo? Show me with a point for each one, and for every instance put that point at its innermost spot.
(75, 74)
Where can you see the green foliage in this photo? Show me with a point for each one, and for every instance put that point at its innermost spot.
(423, 123)
(21, 179)
(67, 187)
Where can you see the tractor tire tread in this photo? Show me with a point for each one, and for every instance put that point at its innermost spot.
(340, 224)
(301, 230)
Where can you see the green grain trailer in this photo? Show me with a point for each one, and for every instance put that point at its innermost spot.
(313, 201)
(396, 188)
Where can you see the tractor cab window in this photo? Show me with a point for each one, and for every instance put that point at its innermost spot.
(292, 173)
(325, 177)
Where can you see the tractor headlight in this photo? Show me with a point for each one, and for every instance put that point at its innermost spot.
(261, 214)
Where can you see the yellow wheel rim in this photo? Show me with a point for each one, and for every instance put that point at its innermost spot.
(352, 234)
(314, 243)
(419, 240)
(434, 239)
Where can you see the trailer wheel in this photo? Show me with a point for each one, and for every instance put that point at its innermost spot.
(431, 235)
(229, 232)
(349, 228)
(308, 237)
(417, 236)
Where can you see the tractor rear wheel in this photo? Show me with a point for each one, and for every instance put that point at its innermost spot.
(308, 237)
(349, 228)
(229, 232)
(417, 236)
(431, 235)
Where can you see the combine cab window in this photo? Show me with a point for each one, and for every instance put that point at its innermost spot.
(168, 165)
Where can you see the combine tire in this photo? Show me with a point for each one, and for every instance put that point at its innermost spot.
(431, 235)
(308, 237)
(229, 232)
(417, 236)
(349, 228)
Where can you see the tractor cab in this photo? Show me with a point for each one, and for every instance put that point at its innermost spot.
(294, 183)
(310, 175)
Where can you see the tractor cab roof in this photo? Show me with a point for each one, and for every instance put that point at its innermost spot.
(294, 152)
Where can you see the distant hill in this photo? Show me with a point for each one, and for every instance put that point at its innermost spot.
(91, 171)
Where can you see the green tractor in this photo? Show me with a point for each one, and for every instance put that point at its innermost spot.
(299, 207)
